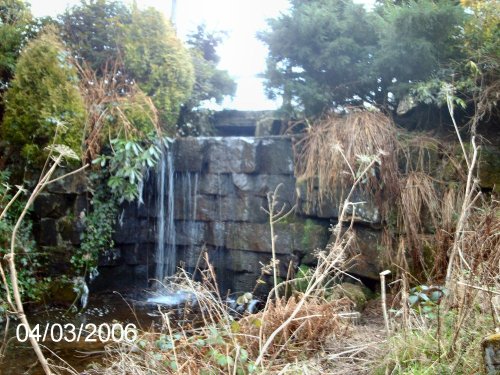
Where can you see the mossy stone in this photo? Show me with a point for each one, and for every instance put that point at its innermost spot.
(352, 291)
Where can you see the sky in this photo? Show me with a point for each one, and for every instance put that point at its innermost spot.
(242, 55)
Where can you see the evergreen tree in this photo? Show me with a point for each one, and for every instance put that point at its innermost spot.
(158, 62)
(43, 104)
(211, 84)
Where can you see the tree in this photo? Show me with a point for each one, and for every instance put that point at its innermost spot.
(156, 59)
(418, 38)
(321, 53)
(340, 54)
(15, 18)
(101, 33)
(43, 103)
(211, 84)
(93, 31)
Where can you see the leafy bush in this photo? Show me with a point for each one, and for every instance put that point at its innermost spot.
(32, 283)
(43, 104)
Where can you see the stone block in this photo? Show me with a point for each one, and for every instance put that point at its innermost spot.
(215, 234)
(81, 204)
(53, 205)
(308, 234)
(137, 253)
(491, 353)
(365, 209)
(191, 256)
(47, 232)
(110, 257)
(190, 232)
(232, 155)
(134, 231)
(365, 253)
(275, 156)
(241, 208)
(215, 184)
(256, 237)
(262, 184)
(189, 154)
(69, 229)
(74, 184)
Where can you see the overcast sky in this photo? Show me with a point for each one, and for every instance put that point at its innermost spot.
(241, 53)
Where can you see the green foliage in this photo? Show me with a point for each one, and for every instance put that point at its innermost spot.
(433, 350)
(217, 348)
(32, 282)
(126, 166)
(102, 32)
(93, 30)
(426, 299)
(327, 61)
(43, 104)
(417, 38)
(15, 17)
(211, 84)
(118, 180)
(156, 59)
(343, 55)
(99, 228)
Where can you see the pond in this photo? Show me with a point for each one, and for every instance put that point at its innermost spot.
(103, 317)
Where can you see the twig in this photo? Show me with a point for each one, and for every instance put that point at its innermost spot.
(383, 274)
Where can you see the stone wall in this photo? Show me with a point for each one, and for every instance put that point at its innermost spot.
(220, 188)
(57, 221)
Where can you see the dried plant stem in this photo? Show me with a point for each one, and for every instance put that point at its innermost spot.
(469, 199)
(325, 266)
(274, 218)
(10, 258)
(383, 274)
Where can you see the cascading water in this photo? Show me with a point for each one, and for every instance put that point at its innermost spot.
(190, 191)
(165, 252)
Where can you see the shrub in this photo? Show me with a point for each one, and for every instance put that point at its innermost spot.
(43, 104)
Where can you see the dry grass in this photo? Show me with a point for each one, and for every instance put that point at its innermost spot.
(336, 146)
(220, 344)
(419, 210)
(109, 100)
(316, 320)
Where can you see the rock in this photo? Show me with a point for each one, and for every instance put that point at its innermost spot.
(52, 205)
(69, 229)
(215, 184)
(189, 154)
(62, 292)
(232, 155)
(135, 231)
(216, 233)
(238, 123)
(354, 292)
(73, 184)
(262, 184)
(137, 254)
(268, 126)
(489, 168)
(491, 353)
(308, 235)
(241, 208)
(190, 232)
(365, 253)
(47, 232)
(256, 237)
(275, 156)
(365, 209)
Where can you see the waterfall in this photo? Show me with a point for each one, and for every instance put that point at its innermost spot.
(188, 182)
(165, 243)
